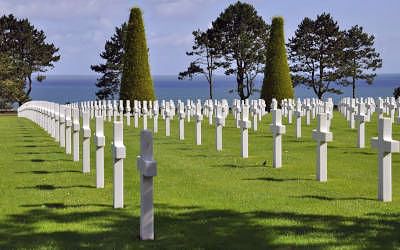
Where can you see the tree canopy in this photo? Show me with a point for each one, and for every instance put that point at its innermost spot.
(242, 38)
(316, 54)
(28, 47)
(136, 82)
(110, 80)
(277, 81)
(360, 57)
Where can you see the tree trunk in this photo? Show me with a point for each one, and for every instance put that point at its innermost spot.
(354, 87)
(210, 85)
(28, 92)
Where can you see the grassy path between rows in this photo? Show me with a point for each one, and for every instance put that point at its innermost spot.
(203, 198)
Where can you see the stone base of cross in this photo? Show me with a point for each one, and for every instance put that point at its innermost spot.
(386, 146)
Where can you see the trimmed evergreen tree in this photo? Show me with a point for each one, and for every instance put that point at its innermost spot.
(277, 81)
(136, 82)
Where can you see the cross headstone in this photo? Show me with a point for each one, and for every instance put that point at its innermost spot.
(277, 130)
(100, 142)
(76, 127)
(144, 112)
(219, 124)
(244, 126)
(68, 130)
(298, 114)
(86, 142)
(386, 146)
(167, 114)
(119, 154)
(147, 167)
(322, 136)
(181, 108)
(128, 113)
(62, 126)
(361, 118)
(199, 118)
(155, 117)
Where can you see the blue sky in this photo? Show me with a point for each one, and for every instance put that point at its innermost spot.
(80, 27)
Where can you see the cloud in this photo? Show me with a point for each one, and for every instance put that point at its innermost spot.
(171, 40)
(179, 7)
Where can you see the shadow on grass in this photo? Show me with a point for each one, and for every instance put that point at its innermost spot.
(278, 179)
(52, 187)
(179, 228)
(37, 160)
(231, 165)
(326, 198)
(48, 172)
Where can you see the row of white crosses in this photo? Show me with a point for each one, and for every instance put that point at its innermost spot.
(56, 120)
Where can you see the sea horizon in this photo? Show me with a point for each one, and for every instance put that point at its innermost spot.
(74, 88)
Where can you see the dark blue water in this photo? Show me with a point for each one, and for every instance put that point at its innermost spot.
(64, 89)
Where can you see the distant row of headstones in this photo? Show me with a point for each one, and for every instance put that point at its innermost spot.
(63, 122)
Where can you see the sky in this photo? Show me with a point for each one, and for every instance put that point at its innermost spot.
(81, 27)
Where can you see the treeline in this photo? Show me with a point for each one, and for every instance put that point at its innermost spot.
(320, 55)
(23, 52)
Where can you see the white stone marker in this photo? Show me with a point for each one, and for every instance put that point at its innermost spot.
(167, 115)
(219, 124)
(100, 142)
(386, 146)
(155, 117)
(277, 130)
(121, 110)
(62, 126)
(181, 121)
(86, 142)
(128, 112)
(298, 114)
(199, 118)
(144, 112)
(361, 118)
(148, 169)
(245, 124)
(76, 128)
(68, 124)
(119, 154)
(322, 136)
(135, 114)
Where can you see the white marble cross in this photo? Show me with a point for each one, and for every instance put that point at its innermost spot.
(100, 142)
(244, 125)
(135, 114)
(199, 118)
(277, 130)
(167, 115)
(68, 130)
(86, 142)
(361, 118)
(144, 112)
(181, 108)
(119, 154)
(128, 113)
(386, 146)
(147, 167)
(76, 128)
(62, 126)
(298, 115)
(219, 124)
(155, 117)
(322, 136)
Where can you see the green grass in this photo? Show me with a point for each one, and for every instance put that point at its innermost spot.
(203, 198)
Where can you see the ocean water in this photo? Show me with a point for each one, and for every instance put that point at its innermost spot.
(63, 89)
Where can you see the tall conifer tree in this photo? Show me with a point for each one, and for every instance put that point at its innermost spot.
(277, 81)
(136, 82)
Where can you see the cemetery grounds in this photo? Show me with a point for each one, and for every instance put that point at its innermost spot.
(203, 198)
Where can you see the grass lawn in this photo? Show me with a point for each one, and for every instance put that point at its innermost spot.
(203, 198)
